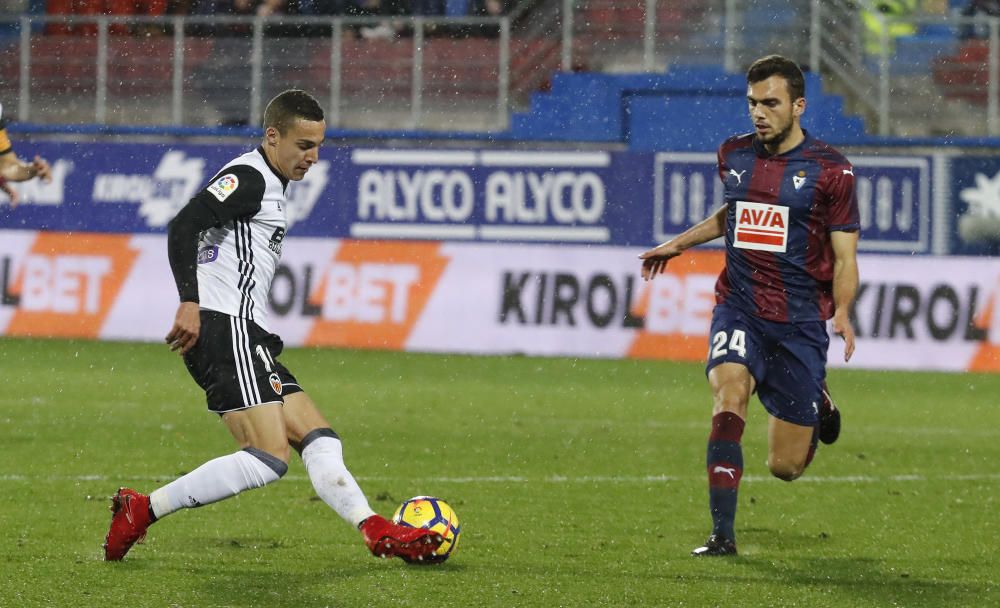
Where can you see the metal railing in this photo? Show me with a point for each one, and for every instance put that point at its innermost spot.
(406, 73)
(939, 77)
(468, 74)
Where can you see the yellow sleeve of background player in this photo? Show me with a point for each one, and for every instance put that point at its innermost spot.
(5, 145)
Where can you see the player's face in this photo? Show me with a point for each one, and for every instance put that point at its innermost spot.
(295, 151)
(773, 111)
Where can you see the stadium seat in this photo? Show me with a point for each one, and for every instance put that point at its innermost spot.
(964, 75)
(683, 108)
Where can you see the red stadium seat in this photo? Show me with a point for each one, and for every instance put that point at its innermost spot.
(964, 75)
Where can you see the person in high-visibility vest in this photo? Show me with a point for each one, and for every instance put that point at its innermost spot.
(872, 18)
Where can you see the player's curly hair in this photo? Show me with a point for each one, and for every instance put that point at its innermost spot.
(289, 106)
(772, 65)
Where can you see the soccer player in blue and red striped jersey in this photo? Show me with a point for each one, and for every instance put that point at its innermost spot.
(791, 225)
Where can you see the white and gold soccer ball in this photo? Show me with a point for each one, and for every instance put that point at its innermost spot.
(431, 514)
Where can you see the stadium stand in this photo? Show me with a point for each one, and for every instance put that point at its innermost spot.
(650, 111)
(619, 69)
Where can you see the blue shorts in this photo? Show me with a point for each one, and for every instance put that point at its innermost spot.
(787, 360)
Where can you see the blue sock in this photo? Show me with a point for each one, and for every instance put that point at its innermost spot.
(725, 468)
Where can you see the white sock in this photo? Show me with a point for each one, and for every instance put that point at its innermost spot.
(216, 480)
(324, 460)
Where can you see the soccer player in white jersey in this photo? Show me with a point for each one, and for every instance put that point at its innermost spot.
(224, 246)
(13, 169)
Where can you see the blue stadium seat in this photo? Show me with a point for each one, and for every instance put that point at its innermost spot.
(689, 107)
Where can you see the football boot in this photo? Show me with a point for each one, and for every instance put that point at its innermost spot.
(386, 539)
(130, 517)
(716, 545)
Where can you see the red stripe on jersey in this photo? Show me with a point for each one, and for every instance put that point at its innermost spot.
(769, 288)
(831, 198)
(819, 252)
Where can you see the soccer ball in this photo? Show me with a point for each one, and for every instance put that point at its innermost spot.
(431, 514)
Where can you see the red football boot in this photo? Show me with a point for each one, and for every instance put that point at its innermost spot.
(386, 539)
(129, 519)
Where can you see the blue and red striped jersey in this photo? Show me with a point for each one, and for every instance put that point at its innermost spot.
(781, 210)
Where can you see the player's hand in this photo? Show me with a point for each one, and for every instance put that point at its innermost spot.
(655, 260)
(187, 325)
(40, 167)
(843, 328)
(10, 192)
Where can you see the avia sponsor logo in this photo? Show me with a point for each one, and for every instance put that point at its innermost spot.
(562, 299)
(761, 226)
(912, 313)
(524, 196)
(38, 192)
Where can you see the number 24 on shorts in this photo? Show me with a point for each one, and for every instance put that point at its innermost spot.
(737, 343)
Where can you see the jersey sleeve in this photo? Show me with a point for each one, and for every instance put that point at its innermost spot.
(844, 215)
(234, 193)
(5, 145)
(721, 164)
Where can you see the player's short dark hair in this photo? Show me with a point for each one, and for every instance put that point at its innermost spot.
(289, 106)
(776, 65)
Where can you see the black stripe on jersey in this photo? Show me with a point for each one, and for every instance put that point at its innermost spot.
(244, 254)
(245, 376)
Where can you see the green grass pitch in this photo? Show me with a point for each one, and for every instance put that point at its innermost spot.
(578, 483)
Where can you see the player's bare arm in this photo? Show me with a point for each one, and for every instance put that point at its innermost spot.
(14, 169)
(10, 192)
(845, 285)
(655, 260)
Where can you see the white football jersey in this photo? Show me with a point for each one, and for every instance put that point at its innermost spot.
(237, 260)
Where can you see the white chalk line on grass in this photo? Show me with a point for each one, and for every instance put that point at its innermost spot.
(551, 479)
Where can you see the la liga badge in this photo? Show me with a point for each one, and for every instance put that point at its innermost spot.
(224, 186)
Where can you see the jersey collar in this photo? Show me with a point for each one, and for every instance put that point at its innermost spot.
(284, 182)
(763, 153)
